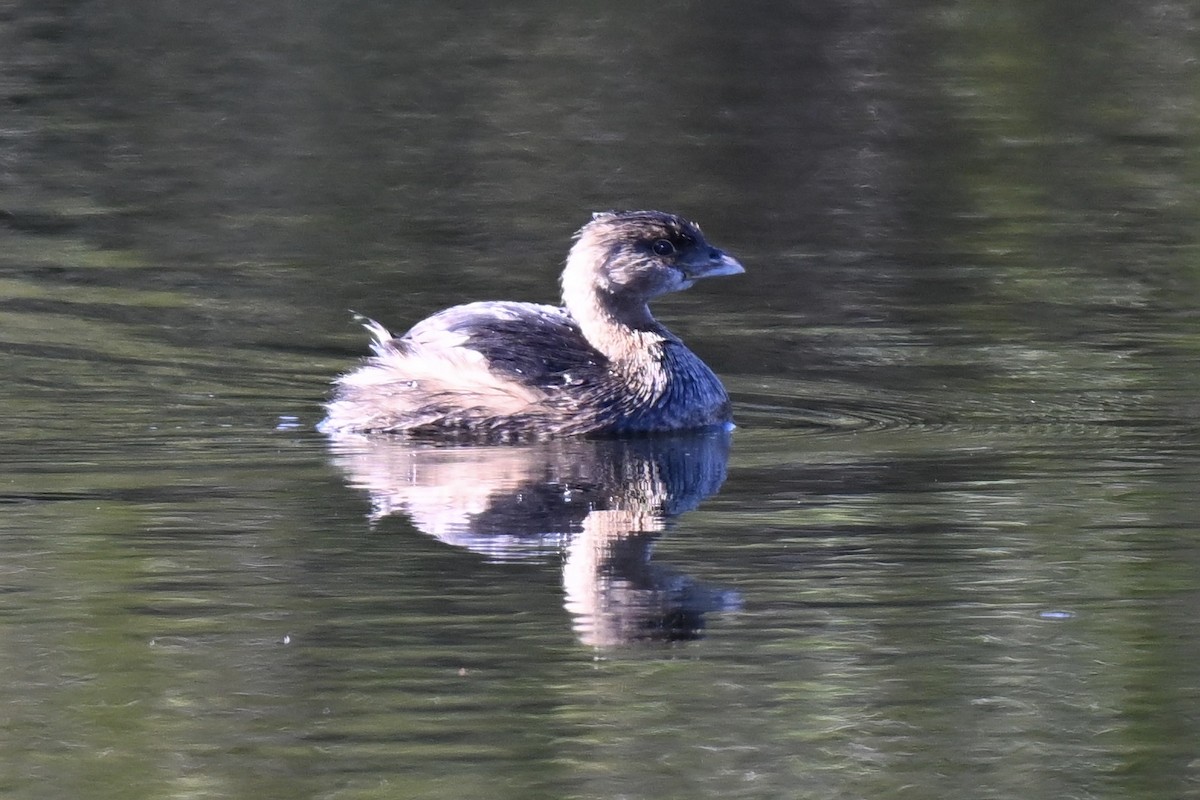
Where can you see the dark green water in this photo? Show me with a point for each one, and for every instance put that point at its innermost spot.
(952, 550)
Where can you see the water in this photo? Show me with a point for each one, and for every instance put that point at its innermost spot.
(950, 550)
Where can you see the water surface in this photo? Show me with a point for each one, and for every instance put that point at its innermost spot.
(950, 550)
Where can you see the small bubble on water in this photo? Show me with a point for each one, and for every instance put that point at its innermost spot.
(1056, 615)
(287, 422)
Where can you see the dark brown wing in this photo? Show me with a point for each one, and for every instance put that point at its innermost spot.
(537, 345)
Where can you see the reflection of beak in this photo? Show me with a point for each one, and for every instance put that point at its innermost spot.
(715, 265)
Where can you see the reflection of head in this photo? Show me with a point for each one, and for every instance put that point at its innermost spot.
(601, 502)
(616, 594)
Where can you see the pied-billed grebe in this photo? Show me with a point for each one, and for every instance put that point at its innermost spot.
(600, 364)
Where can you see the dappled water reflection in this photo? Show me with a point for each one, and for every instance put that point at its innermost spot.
(960, 515)
(599, 505)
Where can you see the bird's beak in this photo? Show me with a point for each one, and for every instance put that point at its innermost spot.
(717, 264)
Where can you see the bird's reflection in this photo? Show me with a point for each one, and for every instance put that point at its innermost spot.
(597, 504)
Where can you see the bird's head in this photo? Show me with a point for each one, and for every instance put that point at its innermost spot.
(629, 257)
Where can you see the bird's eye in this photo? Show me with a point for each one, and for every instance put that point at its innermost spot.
(662, 247)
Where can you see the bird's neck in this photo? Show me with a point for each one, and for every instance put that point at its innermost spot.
(618, 325)
(623, 330)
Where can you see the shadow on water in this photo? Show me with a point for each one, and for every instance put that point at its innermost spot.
(599, 505)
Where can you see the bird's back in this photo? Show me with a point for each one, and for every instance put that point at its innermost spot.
(490, 368)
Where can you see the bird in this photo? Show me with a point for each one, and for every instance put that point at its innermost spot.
(597, 365)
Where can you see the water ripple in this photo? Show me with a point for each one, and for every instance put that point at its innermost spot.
(849, 409)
